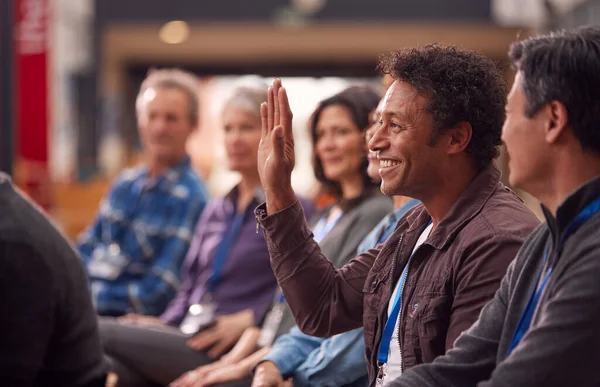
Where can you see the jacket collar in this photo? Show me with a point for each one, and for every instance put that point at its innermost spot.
(167, 180)
(468, 205)
(571, 207)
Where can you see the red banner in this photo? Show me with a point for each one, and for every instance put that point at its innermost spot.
(31, 49)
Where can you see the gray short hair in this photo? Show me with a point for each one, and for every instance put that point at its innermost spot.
(247, 98)
(177, 79)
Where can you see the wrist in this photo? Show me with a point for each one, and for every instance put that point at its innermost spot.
(268, 365)
(279, 200)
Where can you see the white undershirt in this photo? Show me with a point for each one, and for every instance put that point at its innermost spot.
(394, 364)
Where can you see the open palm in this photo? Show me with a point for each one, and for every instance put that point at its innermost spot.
(276, 156)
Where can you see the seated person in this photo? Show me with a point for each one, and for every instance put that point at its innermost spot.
(48, 328)
(446, 257)
(338, 360)
(340, 160)
(226, 274)
(134, 249)
(541, 328)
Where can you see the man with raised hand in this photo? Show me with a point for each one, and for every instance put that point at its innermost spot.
(437, 141)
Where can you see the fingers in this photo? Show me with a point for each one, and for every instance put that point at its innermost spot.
(270, 108)
(264, 119)
(277, 109)
(184, 380)
(130, 317)
(219, 348)
(285, 112)
(278, 144)
(204, 370)
(262, 379)
(203, 340)
(219, 376)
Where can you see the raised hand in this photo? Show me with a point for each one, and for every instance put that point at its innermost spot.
(276, 156)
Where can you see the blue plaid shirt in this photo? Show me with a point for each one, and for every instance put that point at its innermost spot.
(134, 249)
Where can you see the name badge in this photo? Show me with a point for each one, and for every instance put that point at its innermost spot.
(271, 325)
(198, 317)
(107, 262)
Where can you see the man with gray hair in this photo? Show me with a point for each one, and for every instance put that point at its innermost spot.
(134, 249)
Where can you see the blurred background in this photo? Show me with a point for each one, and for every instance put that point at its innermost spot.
(70, 71)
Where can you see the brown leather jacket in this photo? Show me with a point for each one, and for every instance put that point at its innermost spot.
(452, 275)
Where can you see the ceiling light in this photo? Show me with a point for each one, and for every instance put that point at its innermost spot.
(174, 32)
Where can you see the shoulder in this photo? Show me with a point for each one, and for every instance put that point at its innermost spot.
(505, 214)
(376, 206)
(130, 175)
(125, 180)
(308, 206)
(24, 227)
(191, 182)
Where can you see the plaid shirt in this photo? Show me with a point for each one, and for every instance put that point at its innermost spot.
(134, 249)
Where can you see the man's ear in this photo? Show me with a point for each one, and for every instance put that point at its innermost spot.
(459, 137)
(557, 119)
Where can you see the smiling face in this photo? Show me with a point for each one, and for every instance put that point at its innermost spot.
(374, 118)
(340, 144)
(410, 164)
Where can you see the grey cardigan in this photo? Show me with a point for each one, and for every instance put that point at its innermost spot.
(341, 242)
(562, 346)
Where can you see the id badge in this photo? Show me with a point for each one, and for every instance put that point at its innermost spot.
(107, 262)
(198, 316)
(270, 326)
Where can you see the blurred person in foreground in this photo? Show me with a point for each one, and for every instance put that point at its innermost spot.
(436, 142)
(337, 129)
(48, 329)
(134, 249)
(228, 283)
(541, 328)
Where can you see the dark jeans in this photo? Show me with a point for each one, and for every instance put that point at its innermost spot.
(150, 356)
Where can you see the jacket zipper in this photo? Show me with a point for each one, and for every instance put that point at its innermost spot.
(260, 214)
(379, 366)
(400, 317)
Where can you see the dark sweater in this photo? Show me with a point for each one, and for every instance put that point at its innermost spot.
(48, 326)
(562, 346)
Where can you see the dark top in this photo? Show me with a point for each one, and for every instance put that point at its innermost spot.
(452, 275)
(247, 280)
(562, 346)
(48, 329)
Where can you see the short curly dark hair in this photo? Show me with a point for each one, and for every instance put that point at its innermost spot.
(462, 86)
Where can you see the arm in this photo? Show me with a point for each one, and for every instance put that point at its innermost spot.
(339, 360)
(482, 267)
(92, 237)
(291, 350)
(324, 300)
(27, 324)
(149, 295)
(334, 302)
(564, 347)
(473, 357)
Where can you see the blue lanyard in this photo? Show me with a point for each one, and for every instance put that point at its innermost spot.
(279, 297)
(390, 324)
(229, 237)
(527, 316)
(323, 227)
